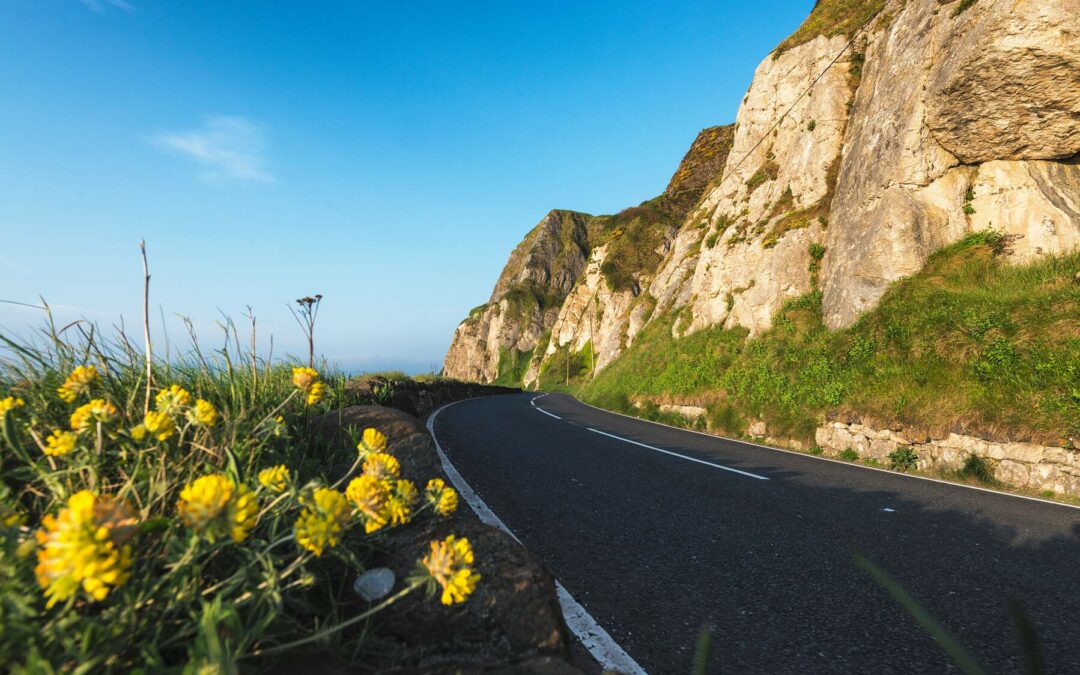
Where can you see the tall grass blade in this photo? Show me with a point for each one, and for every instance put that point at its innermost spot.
(960, 657)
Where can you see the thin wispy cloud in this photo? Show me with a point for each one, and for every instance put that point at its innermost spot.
(100, 6)
(229, 147)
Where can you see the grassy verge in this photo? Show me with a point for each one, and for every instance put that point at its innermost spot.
(970, 344)
(193, 524)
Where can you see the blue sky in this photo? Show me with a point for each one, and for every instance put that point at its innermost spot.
(388, 155)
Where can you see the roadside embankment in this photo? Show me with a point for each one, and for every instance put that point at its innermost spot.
(416, 396)
(511, 624)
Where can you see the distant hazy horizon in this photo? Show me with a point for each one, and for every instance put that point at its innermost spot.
(386, 155)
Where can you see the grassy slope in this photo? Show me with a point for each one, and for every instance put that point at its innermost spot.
(969, 343)
(831, 18)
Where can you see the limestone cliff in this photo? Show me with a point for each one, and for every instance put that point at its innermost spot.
(530, 301)
(875, 134)
(526, 299)
(964, 121)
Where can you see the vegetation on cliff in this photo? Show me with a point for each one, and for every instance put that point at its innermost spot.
(831, 18)
(968, 344)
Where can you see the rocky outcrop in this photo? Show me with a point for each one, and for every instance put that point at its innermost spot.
(543, 290)
(752, 232)
(954, 129)
(876, 134)
(526, 299)
(593, 313)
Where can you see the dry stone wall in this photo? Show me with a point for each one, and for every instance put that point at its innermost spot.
(1023, 465)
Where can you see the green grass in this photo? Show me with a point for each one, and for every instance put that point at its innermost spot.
(567, 368)
(512, 366)
(976, 469)
(968, 344)
(633, 237)
(831, 18)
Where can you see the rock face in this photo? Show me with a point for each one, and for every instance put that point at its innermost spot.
(526, 299)
(541, 289)
(941, 118)
(756, 226)
(954, 129)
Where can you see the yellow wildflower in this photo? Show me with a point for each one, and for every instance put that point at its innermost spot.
(450, 565)
(304, 377)
(78, 382)
(60, 442)
(372, 441)
(97, 410)
(371, 497)
(322, 521)
(84, 546)
(204, 414)
(171, 400)
(8, 404)
(316, 393)
(275, 478)
(243, 513)
(214, 505)
(442, 497)
(280, 428)
(401, 502)
(159, 424)
(11, 516)
(382, 466)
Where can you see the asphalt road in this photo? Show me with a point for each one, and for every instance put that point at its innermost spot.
(655, 546)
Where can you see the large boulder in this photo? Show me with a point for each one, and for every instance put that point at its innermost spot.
(512, 618)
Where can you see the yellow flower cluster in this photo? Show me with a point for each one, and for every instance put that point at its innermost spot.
(158, 424)
(169, 404)
(172, 400)
(373, 440)
(8, 404)
(322, 521)
(84, 546)
(449, 564)
(371, 497)
(308, 381)
(276, 478)
(203, 414)
(214, 505)
(60, 442)
(382, 466)
(381, 497)
(78, 383)
(442, 497)
(89, 414)
(303, 377)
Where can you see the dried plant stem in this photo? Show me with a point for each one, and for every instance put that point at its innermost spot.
(146, 325)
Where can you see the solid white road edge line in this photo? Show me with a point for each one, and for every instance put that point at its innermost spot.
(826, 459)
(591, 634)
(675, 454)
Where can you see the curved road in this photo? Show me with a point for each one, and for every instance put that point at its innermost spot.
(757, 543)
